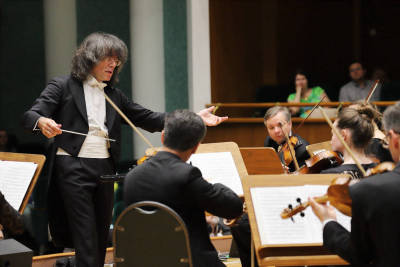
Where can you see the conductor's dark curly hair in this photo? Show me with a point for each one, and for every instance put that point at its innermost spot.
(94, 48)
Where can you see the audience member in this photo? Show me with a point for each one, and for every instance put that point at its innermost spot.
(305, 94)
(6, 145)
(359, 87)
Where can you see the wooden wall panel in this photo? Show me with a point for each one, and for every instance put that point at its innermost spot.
(236, 49)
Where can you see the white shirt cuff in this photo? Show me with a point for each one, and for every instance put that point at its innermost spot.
(326, 221)
(35, 128)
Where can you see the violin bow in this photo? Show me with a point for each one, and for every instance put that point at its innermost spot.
(339, 136)
(371, 91)
(291, 149)
(312, 110)
(127, 120)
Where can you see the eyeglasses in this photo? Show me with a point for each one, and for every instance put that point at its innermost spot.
(113, 60)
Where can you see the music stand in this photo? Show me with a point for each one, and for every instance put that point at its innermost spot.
(261, 160)
(287, 254)
(35, 158)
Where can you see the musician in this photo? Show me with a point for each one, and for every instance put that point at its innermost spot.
(278, 121)
(375, 220)
(377, 148)
(10, 220)
(356, 128)
(168, 179)
(305, 94)
(80, 206)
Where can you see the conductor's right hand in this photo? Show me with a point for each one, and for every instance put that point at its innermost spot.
(49, 127)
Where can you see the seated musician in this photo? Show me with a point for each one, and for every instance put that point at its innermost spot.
(375, 231)
(357, 130)
(377, 149)
(278, 121)
(305, 94)
(168, 179)
(10, 220)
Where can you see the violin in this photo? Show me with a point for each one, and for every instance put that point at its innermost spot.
(150, 152)
(321, 161)
(386, 166)
(285, 149)
(337, 194)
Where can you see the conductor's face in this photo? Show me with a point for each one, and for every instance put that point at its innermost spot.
(277, 126)
(104, 70)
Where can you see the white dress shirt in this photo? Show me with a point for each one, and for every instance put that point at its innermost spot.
(93, 146)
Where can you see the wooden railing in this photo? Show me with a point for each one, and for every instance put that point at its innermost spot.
(248, 130)
(286, 104)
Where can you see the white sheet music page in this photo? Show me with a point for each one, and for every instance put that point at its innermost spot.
(268, 204)
(218, 167)
(15, 178)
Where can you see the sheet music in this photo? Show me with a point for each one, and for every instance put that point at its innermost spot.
(268, 204)
(218, 167)
(15, 178)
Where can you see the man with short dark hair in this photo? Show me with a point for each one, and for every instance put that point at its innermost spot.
(358, 88)
(374, 236)
(80, 206)
(168, 179)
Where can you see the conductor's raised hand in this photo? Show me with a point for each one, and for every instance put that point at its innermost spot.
(49, 127)
(322, 211)
(209, 118)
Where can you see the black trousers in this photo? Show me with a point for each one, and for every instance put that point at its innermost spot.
(241, 233)
(87, 205)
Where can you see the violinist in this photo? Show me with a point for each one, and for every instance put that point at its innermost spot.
(374, 236)
(356, 128)
(377, 148)
(278, 121)
(80, 206)
(168, 179)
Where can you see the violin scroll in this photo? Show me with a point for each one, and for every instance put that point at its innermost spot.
(337, 195)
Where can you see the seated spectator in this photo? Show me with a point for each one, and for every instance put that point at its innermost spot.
(5, 143)
(358, 88)
(305, 94)
(390, 90)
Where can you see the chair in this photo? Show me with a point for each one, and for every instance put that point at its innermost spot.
(150, 234)
(318, 147)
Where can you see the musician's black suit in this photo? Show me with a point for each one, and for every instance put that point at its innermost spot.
(167, 179)
(375, 231)
(75, 186)
(299, 150)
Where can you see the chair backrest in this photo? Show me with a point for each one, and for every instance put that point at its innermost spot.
(318, 147)
(150, 234)
(261, 160)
